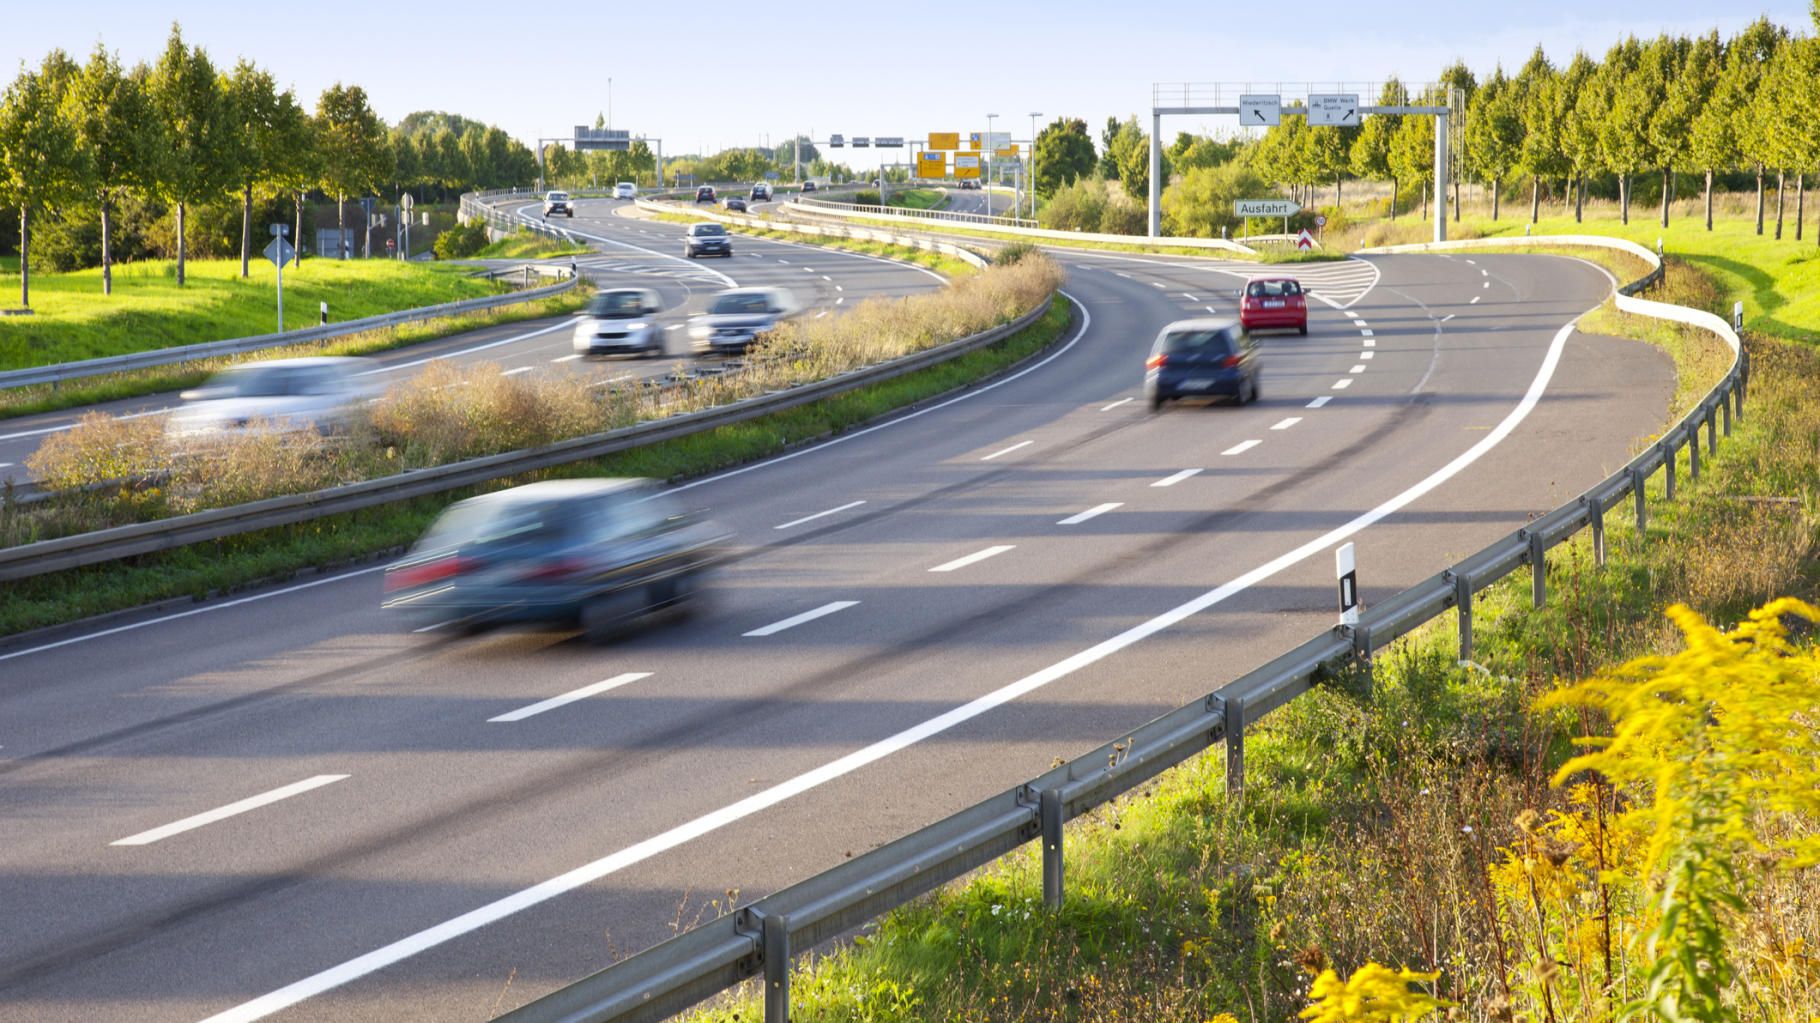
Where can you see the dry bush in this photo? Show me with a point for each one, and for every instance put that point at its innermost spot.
(102, 449)
(251, 465)
(449, 412)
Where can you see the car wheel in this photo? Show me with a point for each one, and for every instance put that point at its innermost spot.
(1156, 403)
(1304, 330)
(605, 619)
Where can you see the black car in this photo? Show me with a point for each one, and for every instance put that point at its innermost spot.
(597, 553)
(736, 205)
(704, 194)
(808, 186)
(707, 240)
(1201, 358)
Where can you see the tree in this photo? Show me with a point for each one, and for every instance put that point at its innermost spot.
(264, 122)
(1199, 205)
(196, 156)
(1691, 80)
(38, 154)
(1537, 88)
(1064, 154)
(1134, 162)
(1624, 105)
(1109, 161)
(1494, 133)
(1370, 155)
(1748, 61)
(1580, 101)
(1712, 142)
(1791, 137)
(1412, 154)
(355, 158)
(297, 162)
(114, 139)
(1457, 77)
(1330, 155)
(1077, 205)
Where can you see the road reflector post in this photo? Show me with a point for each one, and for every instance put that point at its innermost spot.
(1050, 810)
(323, 319)
(1538, 568)
(1349, 584)
(1233, 734)
(1595, 517)
(1462, 602)
(774, 937)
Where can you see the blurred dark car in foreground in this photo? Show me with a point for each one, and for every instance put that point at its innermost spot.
(1202, 358)
(592, 553)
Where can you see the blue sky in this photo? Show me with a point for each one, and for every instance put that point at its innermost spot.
(709, 74)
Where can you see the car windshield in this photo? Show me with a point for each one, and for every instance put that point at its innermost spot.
(704, 229)
(274, 381)
(559, 196)
(740, 304)
(617, 303)
(1272, 289)
(1218, 341)
(503, 523)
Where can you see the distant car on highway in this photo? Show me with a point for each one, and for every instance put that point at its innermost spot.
(279, 395)
(808, 186)
(1202, 358)
(704, 194)
(593, 553)
(625, 190)
(735, 204)
(736, 317)
(1273, 303)
(761, 191)
(618, 322)
(707, 240)
(969, 183)
(558, 202)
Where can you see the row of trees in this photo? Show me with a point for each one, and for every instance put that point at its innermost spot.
(79, 139)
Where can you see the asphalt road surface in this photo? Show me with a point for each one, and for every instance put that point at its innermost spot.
(628, 252)
(324, 818)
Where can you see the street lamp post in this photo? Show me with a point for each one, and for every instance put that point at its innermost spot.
(988, 147)
(1030, 183)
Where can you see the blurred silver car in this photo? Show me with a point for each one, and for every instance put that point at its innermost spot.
(598, 553)
(625, 190)
(618, 321)
(318, 393)
(737, 316)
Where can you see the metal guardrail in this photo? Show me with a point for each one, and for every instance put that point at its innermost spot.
(27, 560)
(760, 939)
(57, 374)
(826, 208)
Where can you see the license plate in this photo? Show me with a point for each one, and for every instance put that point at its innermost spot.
(1273, 303)
(1196, 385)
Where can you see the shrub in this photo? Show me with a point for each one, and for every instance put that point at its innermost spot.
(449, 412)
(867, 197)
(1200, 204)
(1076, 206)
(461, 241)
(1013, 253)
(1124, 215)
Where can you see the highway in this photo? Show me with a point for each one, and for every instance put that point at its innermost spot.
(640, 253)
(326, 817)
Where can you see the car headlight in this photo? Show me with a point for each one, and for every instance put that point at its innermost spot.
(699, 330)
(637, 326)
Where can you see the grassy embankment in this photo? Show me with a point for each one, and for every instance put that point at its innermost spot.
(947, 266)
(1398, 824)
(419, 425)
(918, 198)
(73, 320)
(527, 245)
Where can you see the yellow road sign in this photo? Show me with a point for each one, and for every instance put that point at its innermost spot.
(931, 165)
(973, 140)
(944, 140)
(966, 165)
(1007, 151)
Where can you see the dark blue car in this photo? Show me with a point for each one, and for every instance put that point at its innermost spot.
(597, 553)
(1204, 358)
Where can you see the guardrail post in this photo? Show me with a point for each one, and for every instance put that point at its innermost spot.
(1725, 412)
(774, 937)
(1693, 453)
(1050, 808)
(1462, 602)
(1233, 734)
(1637, 480)
(1668, 467)
(1595, 516)
(1361, 651)
(1538, 568)
(1712, 430)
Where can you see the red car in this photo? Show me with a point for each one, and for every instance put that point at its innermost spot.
(1274, 303)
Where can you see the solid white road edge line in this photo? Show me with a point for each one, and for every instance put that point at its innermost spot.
(1170, 481)
(819, 514)
(976, 556)
(570, 697)
(1241, 447)
(1006, 451)
(587, 873)
(230, 810)
(807, 616)
(1093, 512)
(1116, 404)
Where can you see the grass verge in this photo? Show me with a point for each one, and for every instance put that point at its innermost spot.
(25, 401)
(945, 265)
(217, 567)
(525, 245)
(73, 320)
(1375, 810)
(919, 198)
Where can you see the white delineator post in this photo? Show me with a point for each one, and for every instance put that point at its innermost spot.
(1349, 585)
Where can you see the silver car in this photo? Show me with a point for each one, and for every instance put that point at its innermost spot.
(278, 394)
(625, 190)
(618, 321)
(736, 317)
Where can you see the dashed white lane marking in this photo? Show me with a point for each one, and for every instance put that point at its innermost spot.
(1241, 447)
(1160, 285)
(1096, 510)
(1212, 309)
(1487, 284)
(1367, 355)
(839, 288)
(1006, 451)
(1116, 404)
(1357, 369)
(1189, 297)
(825, 277)
(515, 372)
(1366, 333)
(807, 616)
(230, 810)
(1484, 273)
(1449, 316)
(567, 358)
(9, 465)
(781, 259)
(840, 300)
(976, 556)
(571, 696)
(819, 514)
(1474, 262)
(1170, 481)
(1287, 423)
(674, 326)
(821, 314)
(1341, 385)
(1349, 314)
(1475, 300)
(808, 269)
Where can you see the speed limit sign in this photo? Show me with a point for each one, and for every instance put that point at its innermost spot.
(1320, 220)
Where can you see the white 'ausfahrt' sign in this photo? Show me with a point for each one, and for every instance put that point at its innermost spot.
(1265, 208)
